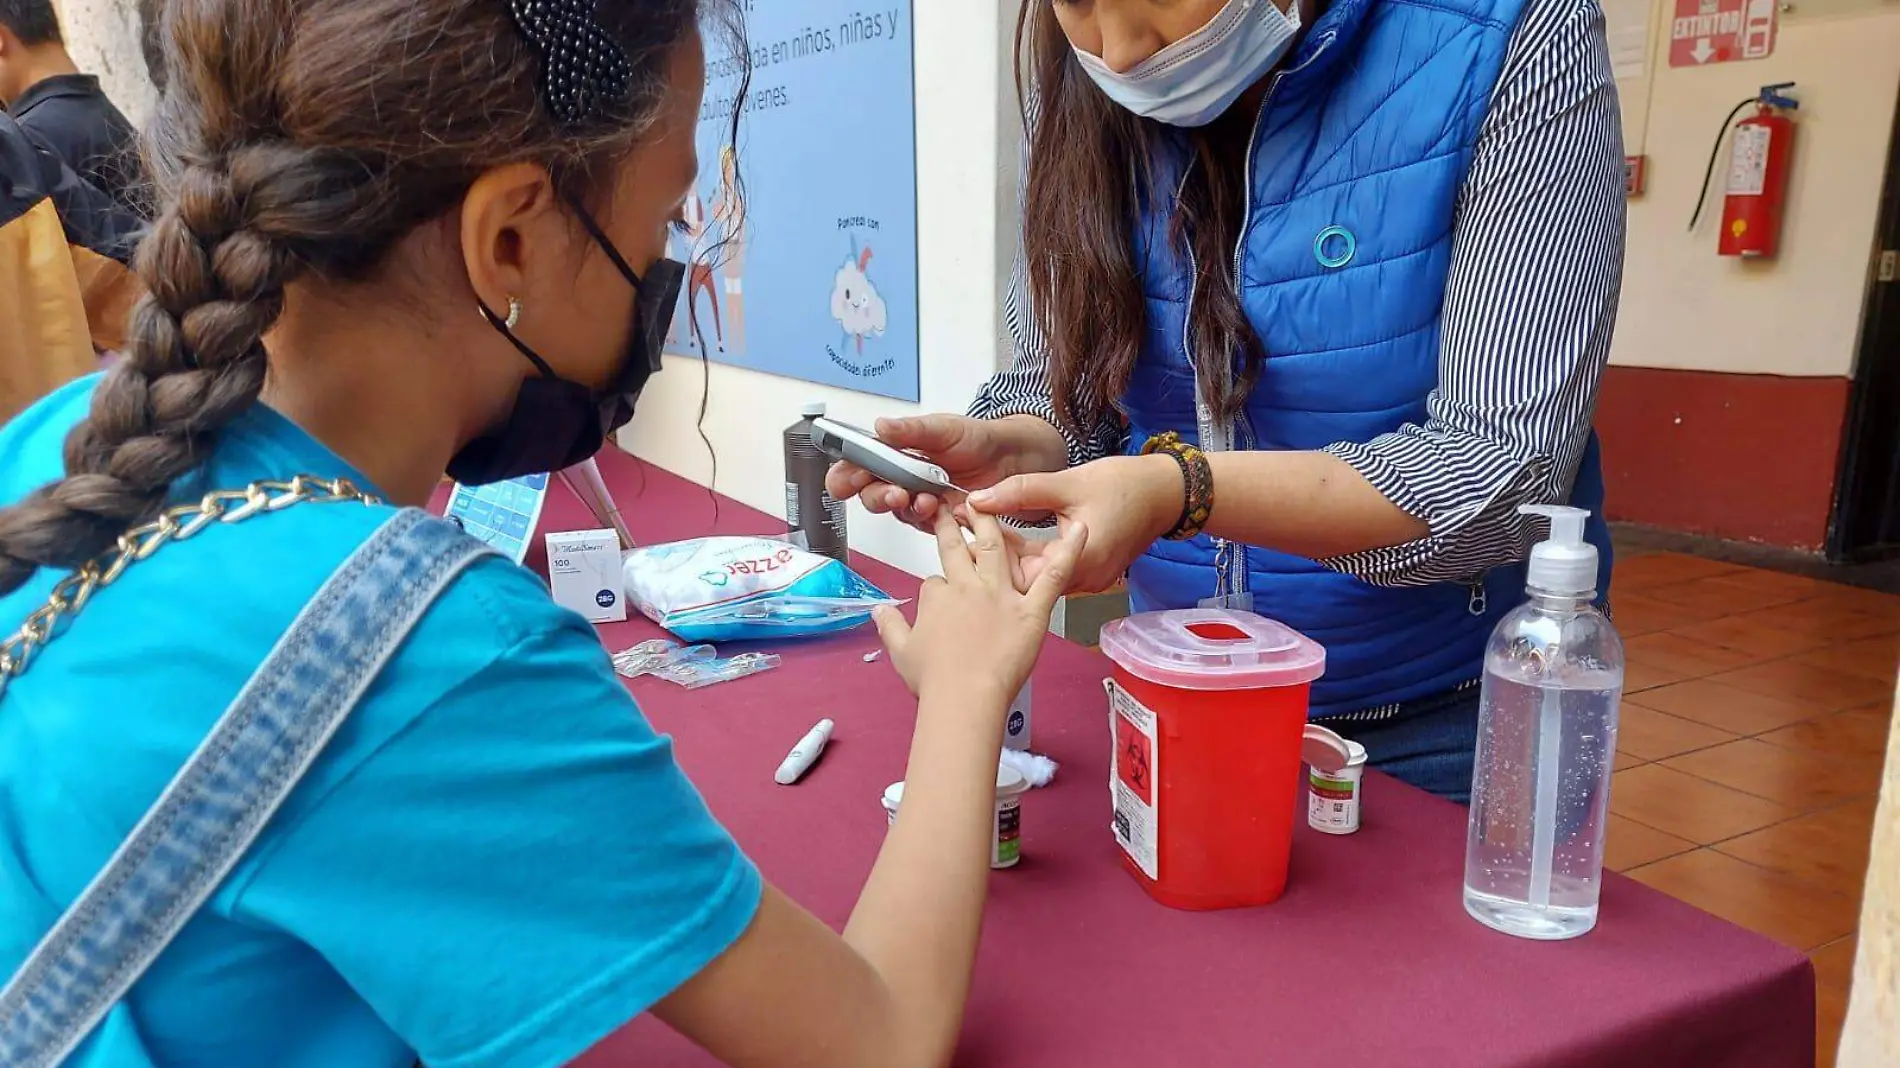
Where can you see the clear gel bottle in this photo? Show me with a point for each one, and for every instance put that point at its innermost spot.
(1540, 794)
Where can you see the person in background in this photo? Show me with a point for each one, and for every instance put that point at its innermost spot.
(397, 238)
(63, 109)
(1313, 296)
(65, 288)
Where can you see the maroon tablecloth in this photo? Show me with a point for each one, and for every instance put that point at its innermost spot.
(1368, 961)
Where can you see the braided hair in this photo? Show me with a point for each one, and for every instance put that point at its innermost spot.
(303, 138)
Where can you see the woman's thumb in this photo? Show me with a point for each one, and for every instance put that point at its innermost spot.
(1059, 562)
(1022, 493)
(928, 434)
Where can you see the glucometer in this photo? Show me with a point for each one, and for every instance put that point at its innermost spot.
(842, 441)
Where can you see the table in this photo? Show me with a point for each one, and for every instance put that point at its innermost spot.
(1368, 961)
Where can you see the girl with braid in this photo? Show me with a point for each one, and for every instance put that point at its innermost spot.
(397, 238)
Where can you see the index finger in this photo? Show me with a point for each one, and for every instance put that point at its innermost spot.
(844, 480)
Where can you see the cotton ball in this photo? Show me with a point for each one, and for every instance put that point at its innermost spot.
(1038, 769)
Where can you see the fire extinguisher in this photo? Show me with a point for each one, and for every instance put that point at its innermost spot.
(1757, 193)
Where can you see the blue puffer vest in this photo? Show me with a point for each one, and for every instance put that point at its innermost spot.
(1370, 131)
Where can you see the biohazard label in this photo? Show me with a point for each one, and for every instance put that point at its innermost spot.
(1132, 780)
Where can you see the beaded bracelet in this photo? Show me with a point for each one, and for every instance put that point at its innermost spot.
(1197, 477)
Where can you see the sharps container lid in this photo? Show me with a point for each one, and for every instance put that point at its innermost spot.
(1212, 649)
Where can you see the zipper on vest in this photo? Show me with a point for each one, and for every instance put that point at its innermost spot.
(1231, 580)
(1246, 218)
(1479, 599)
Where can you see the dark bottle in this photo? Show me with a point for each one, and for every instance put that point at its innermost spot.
(809, 507)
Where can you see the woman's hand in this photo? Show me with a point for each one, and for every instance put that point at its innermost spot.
(976, 453)
(1124, 502)
(976, 627)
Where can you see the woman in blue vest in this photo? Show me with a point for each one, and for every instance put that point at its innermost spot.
(1365, 255)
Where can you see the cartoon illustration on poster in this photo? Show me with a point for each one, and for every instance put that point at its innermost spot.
(802, 245)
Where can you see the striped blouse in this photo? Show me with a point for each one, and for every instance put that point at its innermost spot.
(1536, 265)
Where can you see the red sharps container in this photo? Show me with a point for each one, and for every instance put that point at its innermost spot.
(1209, 708)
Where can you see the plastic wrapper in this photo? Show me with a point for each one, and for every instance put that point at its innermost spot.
(730, 589)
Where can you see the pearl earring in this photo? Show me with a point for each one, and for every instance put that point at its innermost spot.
(514, 314)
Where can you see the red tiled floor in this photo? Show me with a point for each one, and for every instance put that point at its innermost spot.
(1638, 614)
(1871, 602)
(1647, 734)
(1822, 619)
(1725, 707)
(1800, 779)
(1722, 595)
(1628, 844)
(1843, 734)
(1825, 688)
(1766, 902)
(1690, 658)
(1796, 587)
(1687, 807)
(1755, 721)
(1834, 963)
(1830, 1016)
(1833, 975)
(1826, 850)
(1875, 658)
(1662, 569)
(1758, 638)
(1639, 676)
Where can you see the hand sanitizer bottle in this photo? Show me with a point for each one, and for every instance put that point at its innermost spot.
(1540, 795)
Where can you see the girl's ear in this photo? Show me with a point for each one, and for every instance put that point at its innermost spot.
(505, 232)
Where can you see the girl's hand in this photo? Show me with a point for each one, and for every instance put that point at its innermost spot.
(974, 627)
(976, 453)
(1125, 503)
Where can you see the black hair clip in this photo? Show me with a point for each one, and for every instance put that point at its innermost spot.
(585, 74)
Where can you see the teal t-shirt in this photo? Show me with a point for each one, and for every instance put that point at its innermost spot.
(497, 862)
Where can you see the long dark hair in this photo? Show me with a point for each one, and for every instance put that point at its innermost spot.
(306, 137)
(1090, 173)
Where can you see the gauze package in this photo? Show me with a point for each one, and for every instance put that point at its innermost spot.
(746, 589)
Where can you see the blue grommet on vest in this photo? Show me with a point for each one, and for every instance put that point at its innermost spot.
(1341, 243)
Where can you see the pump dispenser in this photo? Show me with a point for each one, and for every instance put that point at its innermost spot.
(1547, 715)
(1564, 565)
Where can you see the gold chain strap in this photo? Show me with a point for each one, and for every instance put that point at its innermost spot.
(176, 524)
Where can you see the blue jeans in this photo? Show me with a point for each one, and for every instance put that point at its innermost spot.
(1432, 743)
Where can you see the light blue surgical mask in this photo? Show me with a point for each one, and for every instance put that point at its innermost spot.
(1192, 81)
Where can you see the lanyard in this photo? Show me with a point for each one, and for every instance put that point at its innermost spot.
(1230, 558)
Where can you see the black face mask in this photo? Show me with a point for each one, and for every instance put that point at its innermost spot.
(557, 423)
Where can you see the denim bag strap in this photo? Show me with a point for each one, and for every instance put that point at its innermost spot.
(215, 807)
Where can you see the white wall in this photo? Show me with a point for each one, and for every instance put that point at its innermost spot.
(103, 36)
(967, 145)
(1685, 307)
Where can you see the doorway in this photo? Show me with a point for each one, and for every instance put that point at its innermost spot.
(1866, 522)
